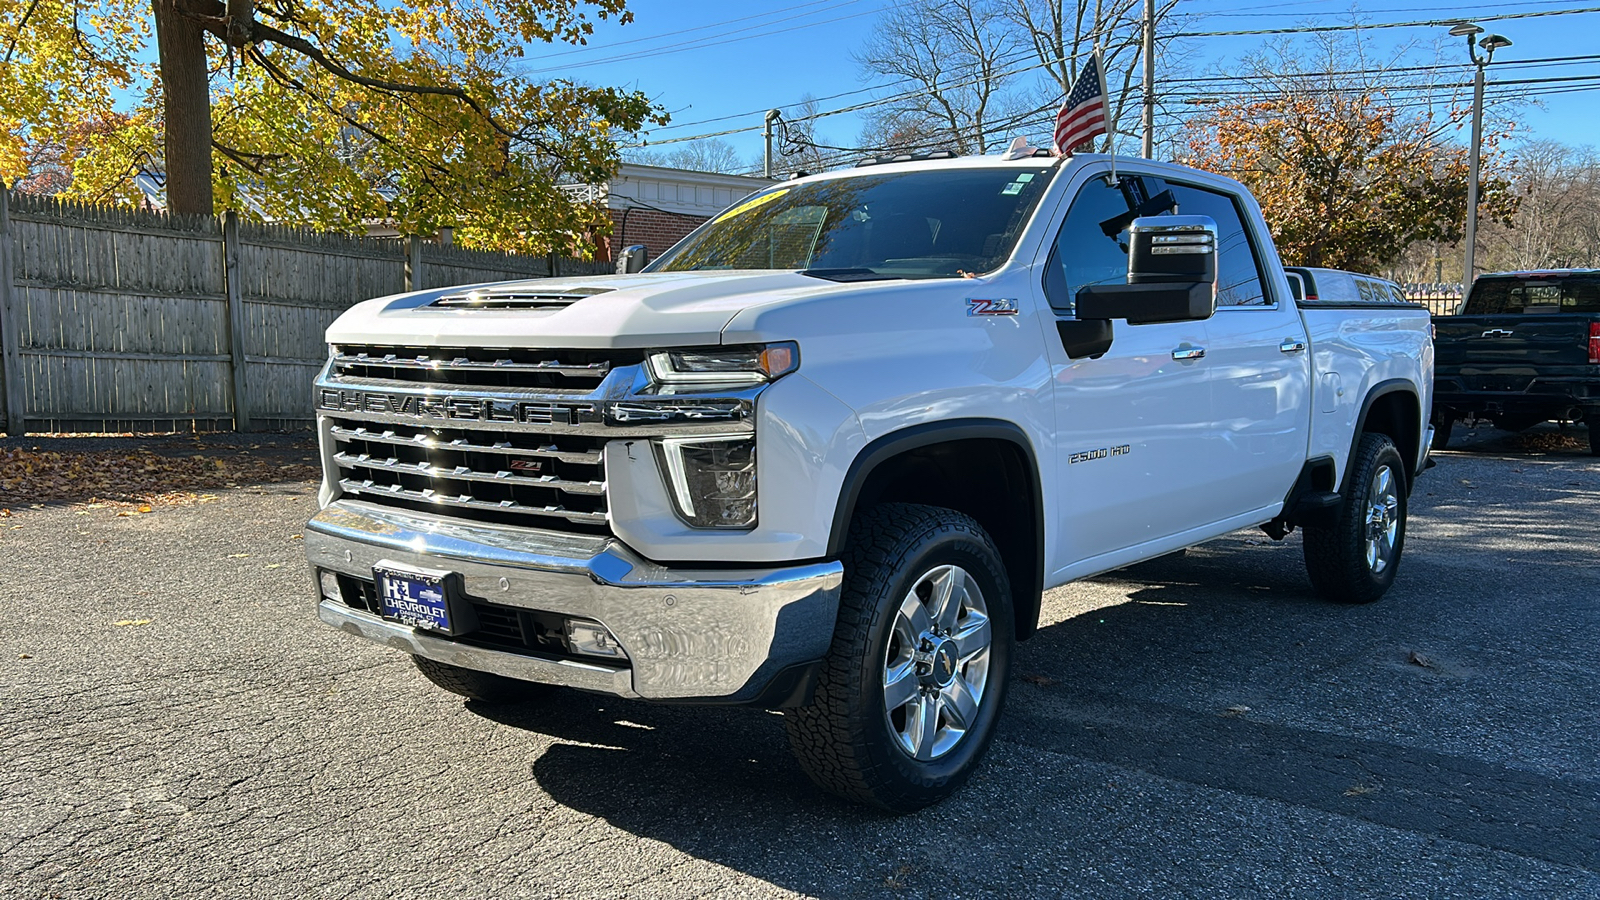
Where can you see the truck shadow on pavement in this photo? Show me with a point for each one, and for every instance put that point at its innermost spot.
(1091, 699)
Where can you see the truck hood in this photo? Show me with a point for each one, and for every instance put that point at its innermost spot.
(614, 311)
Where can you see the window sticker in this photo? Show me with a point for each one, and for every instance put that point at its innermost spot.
(1014, 187)
(748, 205)
(1025, 177)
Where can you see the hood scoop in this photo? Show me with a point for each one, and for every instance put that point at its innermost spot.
(523, 298)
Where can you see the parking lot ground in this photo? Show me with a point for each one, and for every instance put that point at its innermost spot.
(174, 722)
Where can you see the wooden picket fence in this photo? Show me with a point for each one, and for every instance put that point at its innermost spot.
(115, 319)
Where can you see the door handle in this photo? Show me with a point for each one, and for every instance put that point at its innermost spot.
(1188, 352)
(1291, 345)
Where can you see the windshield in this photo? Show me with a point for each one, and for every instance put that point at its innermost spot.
(1568, 293)
(928, 224)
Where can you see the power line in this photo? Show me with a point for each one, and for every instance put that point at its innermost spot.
(701, 43)
(1426, 23)
(666, 34)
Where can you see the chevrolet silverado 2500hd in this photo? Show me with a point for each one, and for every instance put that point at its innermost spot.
(825, 454)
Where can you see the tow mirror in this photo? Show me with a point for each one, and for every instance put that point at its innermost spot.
(1172, 274)
(632, 259)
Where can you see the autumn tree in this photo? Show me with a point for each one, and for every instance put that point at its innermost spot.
(321, 112)
(1348, 181)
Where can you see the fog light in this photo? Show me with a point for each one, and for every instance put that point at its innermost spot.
(330, 585)
(592, 639)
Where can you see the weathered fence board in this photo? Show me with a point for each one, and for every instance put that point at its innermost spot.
(113, 318)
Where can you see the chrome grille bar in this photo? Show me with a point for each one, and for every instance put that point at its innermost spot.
(463, 364)
(427, 441)
(463, 473)
(465, 501)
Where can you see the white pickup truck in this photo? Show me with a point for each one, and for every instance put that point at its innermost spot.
(825, 454)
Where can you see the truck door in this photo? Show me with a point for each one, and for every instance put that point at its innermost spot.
(1259, 363)
(1128, 424)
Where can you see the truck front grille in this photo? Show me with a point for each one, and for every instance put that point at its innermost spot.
(544, 480)
(495, 435)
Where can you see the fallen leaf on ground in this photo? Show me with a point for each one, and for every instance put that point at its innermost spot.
(24, 656)
(136, 477)
(1356, 790)
(1418, 659)
(126, 623)
(275, 566)
(1040, 680)
(236, 556)
(1238, 709)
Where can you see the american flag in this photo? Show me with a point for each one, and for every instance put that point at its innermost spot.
(1083, 116)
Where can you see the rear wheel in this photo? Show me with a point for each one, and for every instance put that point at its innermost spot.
(909, 694)
(474, 685)
(1355, 559)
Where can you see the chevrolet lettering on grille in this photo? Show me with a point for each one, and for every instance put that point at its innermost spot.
(479, 409)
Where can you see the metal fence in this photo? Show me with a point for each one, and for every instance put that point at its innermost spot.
(1440, 299)
(113, 319)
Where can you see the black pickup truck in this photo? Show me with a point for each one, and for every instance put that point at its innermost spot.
(1525, 349)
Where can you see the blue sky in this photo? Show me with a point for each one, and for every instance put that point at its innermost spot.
(705, 60)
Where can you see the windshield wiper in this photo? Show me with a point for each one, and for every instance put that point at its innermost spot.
(847, 275)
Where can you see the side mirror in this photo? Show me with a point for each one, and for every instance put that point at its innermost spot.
(632, 259)
(1172, 274)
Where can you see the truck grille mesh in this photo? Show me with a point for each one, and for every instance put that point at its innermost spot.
(560, 370)
(543, 474)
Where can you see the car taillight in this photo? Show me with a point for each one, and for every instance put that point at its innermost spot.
(1594, 343)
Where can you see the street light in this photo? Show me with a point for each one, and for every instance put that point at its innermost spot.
(1489, 43)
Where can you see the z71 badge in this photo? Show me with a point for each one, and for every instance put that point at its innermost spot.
(1005, 307)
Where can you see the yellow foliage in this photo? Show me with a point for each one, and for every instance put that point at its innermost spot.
(409, 112)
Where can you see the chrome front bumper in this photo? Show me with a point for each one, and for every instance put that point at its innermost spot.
(690, 634)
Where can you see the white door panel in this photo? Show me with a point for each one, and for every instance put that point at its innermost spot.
(1132, 440)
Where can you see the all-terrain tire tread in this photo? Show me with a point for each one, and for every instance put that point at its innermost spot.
(827, 734)
(1337, 572)
(485, 687)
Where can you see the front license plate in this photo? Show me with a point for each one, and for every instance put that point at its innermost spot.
(414, 596)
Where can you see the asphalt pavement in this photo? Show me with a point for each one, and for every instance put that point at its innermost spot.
(175, 722)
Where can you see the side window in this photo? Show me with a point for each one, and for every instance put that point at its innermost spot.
(1083, 254)
(1365, 288)
(1239, 281)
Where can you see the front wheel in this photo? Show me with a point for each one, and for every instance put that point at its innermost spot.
(909, 694)
(1355, 559)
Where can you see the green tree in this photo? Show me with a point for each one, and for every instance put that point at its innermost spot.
(320, 112)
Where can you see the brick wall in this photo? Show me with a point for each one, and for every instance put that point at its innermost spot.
(654, 229)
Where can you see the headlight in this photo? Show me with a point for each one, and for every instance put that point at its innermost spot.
(707, 366)
(712, 479)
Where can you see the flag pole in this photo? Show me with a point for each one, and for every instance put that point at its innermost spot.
(1111, 125)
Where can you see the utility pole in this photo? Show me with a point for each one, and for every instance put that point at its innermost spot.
(1149, 79)
(766, 133)
(1490, 43)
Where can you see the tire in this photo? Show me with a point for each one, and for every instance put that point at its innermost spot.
(854, 740)
(484, 687)
(1443, 424)
(1350, 561)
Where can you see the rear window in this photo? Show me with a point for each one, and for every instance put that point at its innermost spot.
(1571, 293)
